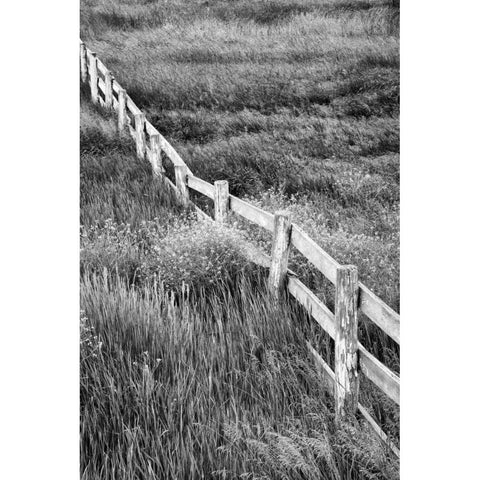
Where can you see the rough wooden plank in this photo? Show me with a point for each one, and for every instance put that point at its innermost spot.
(346, 342)
(379, 374)
(326, 373)
(172, 154)
(378, 431)
(323, 316)
(181, 183)
(92, 70)
(201, 186)
(83, 63)
(132, 108)
(116, 87)
(252, 213)
(282, 230)
(101, 67)
(156, 155)
(140, 141)
(122, 114)
(151, 130)
(321, 259)
(221, 200)
(380, 313)
(108, 90)
(101, 85)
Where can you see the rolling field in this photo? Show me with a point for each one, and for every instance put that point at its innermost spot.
(296, 104)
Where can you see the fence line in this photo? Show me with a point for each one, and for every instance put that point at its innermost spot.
(351, 296)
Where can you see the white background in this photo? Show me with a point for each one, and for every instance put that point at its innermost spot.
(39, 249)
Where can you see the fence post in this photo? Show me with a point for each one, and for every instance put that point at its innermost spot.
(122, 109)
(93, 77)
(140, 134)
(181, 183)
(83, 62)
(280, 251)
(108, 90)
(221, 198)
(156, 154)
(346, 342)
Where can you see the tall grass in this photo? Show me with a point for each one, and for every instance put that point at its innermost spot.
(207, 386)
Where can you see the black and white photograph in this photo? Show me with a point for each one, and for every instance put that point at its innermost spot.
(221, 208)
(239, 212)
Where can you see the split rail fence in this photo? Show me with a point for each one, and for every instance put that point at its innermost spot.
(351, 296)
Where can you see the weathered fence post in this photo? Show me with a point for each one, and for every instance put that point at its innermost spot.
(346, 342)
(221, 199)
(140, 134)
(280, 251)
(122, 109)
(108, 90)
(93, 77)
(181, 183)
(83, 62)
(156, 154)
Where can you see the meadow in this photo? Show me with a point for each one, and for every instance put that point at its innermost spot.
(296, 104)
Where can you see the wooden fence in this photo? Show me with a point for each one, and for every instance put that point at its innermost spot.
(351, 296)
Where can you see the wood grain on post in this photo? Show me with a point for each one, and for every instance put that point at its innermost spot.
(122, 109)
(221, 199)
(83, 62)
(140, 134)
(282, 228)
(156, 154)
(346, 342)
(108, 90)
(181, 183)
(93, 77)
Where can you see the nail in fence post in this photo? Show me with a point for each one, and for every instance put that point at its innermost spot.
(221, 199)
(93, 77)
(280, 251)
(83, 62)
(140, 134)
(346, 342)
(122, 109)
(156, 154)
(108, 90)
(181, 183)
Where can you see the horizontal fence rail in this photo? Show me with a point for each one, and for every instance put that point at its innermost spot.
(316, 255)
(351, 295)
(201, 186)
(250, 212)
(319, 311)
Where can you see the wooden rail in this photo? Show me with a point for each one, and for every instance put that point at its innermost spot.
(250, 212)
(352, 296)
(328, 376)
(201, 186)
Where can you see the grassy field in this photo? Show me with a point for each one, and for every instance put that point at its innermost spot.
(295, 103)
